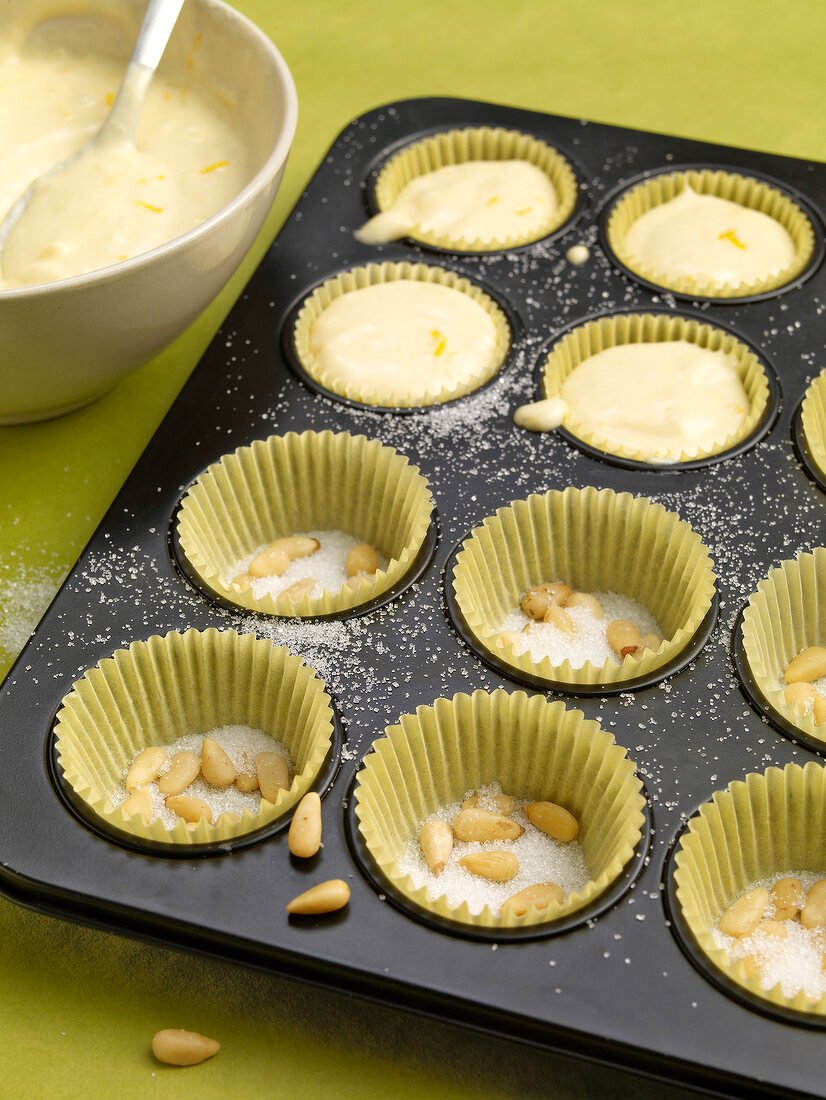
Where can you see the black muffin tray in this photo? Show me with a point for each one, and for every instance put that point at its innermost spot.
(623, 985)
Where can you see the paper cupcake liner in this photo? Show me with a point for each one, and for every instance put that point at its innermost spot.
(744, 190)
(289, 484)
(360, 277)
(787, 613)
(767, 826)
(646, 328)
(157, 691)
(479, 143)
(537, 750)
(813, 421)
(595, 540)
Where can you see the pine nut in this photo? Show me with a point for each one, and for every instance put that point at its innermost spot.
(362, 559)
(554, 820)
(216, 766)
(304, 837)
(801, 696)
(751, 965)
(496, 866)
(500, 803)
(537, 600)
(775, 928)
(243, 580)
(139, 802)
(190, 809)
(510, 637)
(587, 602)
(271, 562)
(808, 665)
(273, 774)
(623, 637)
(436, 841)
(787, 895)
(177, 1047)
(246, 782)
(145, 767)
(326, 897)
(229, 817)
(184, 768)
(542, 895)
(559, 618)
(484, 826)
(813, 913)
(651, 641)
(298, 590)
(819, 710)
(296, 546)
(741, 918)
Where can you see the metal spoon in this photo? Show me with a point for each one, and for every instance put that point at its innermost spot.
(121, 124)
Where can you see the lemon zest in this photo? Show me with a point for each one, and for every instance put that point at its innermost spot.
(212, 167)
(493, 199)
(440, 342)
(149, 206)
(527, 210)
(730, 235)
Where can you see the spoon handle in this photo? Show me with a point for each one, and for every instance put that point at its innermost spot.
(121, 124)
(158, 22)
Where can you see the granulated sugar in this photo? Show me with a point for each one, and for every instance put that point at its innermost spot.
(327, 566)
(240, 743)
(541, 859)
(794, 962)
(588, 642)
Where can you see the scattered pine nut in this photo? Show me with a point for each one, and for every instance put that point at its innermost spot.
(801, 696)
(496, 866)
(587, 601)
(177, 1047)
(808, 665)
(184, 768)
(145, 767)
(542, 895)
(554, 820)
(484, 826)
(436, 840)
(139, 802)
(741, 918)
(362, 559)
(273, 774)
(190, 809)
(304, 837)
(326, 897)
(623, 637)
(216, 766)
(270, 562)
(500, 803)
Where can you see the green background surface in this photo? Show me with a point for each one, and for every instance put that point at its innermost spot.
(78, 1007)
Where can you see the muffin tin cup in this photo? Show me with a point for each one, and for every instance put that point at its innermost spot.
(594, 541)
(770, 825)
(159, 690)
(634, 198)
(459, 146)
(291, 484)
(809, 430)
(536, 750)
(786, 614)
(576, 344)
(398, 397)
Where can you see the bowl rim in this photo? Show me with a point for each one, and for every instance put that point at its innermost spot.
(275, 160)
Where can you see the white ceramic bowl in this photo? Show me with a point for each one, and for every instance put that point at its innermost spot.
(63, 344)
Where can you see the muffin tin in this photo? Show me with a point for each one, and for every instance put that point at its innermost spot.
(626, 987)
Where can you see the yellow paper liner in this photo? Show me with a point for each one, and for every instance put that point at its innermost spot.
(478, 143)
(766, 826)
(813, 421)
(745, 190)
(373, 274)
(646, 328)
(787, 613)
(289, 484)
(594, 540)
(162, 689)
(537, 750)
